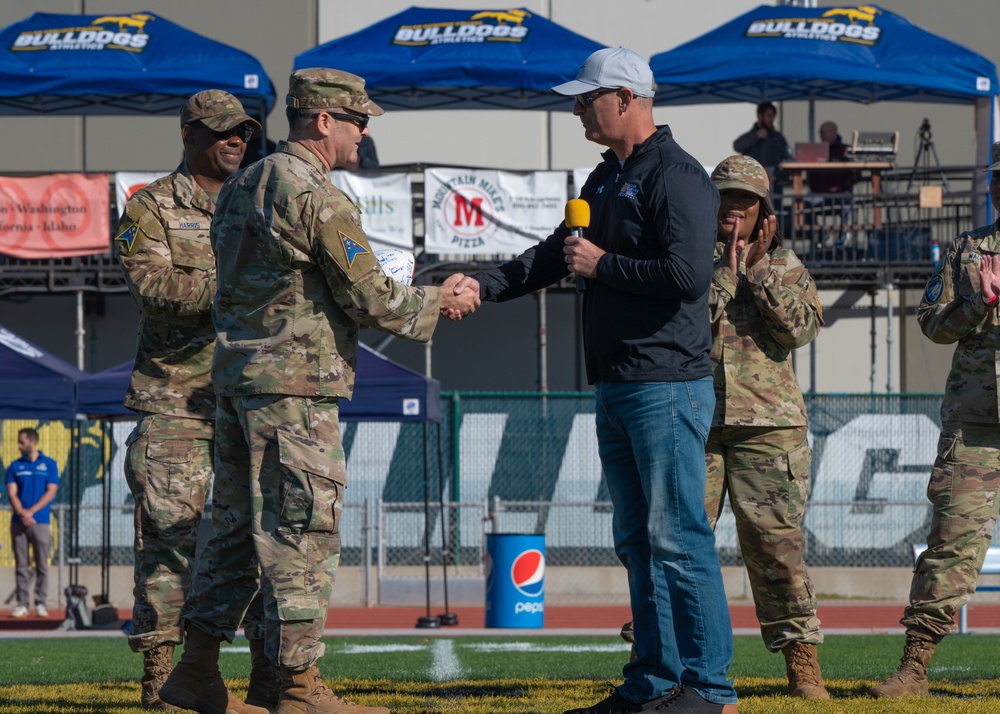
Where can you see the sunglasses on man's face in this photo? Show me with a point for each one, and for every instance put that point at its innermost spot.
(242, 131)
(360, 121)
(585, 100)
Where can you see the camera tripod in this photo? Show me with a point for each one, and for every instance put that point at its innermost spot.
(923, 157)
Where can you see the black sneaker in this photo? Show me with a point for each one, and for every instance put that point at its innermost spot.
(617, 704)
(688, 701)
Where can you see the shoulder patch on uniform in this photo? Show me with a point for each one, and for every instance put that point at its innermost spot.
(351, 248)
(935, 286)
(127, 235)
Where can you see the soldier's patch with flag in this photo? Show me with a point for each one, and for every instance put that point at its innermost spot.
(127, 235)
(935, 286)
(351, 248)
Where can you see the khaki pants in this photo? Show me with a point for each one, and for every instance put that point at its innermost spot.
(39, 538)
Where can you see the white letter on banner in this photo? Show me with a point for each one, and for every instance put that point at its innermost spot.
(479, 447)
(579, 482)
(367, 472)
(897, 501)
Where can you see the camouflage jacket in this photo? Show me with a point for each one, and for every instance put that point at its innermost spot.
(296, 280)
(163, 246)
(757, 320)
(952, 310)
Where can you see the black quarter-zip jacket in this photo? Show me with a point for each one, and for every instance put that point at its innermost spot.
(645, 314)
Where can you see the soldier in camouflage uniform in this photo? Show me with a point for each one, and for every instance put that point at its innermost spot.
(296, 281)
(763, 304)
(162, 243)
(959, 306)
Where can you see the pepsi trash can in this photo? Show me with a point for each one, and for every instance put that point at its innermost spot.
(515, 580)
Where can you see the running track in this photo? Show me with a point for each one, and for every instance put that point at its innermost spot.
(837, 617)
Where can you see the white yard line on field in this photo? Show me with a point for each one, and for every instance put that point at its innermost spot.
(535, 647)
(444, 664)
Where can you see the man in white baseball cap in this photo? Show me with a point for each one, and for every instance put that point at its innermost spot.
(611, 68)
(644, 267)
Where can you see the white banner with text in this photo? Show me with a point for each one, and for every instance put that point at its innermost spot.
(386, 203)
(481, 212)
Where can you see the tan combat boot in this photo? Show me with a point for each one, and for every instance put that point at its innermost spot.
(265, 678)
(196, 683)
(156, 666)
(910, 678)
(305, 693)
(802, 667)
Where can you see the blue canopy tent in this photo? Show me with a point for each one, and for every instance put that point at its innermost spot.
(102, 394)
(34, 384)
(120, 64)
(787, 53)
(384, 391)
(859, 54)
(430, 58)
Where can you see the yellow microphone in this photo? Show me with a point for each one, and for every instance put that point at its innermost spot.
(578, 218)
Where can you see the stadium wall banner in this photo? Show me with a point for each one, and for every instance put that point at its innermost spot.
(128, 182)
(580, 178)
(872, 457)
(386, 203)
(54, 216)
(479, 212)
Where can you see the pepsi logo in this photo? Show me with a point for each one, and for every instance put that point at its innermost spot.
(527, 573)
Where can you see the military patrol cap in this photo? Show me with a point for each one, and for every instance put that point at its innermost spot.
(995, 156)
(216, 109)
(743, 174)
(322, 88)
(611, 68)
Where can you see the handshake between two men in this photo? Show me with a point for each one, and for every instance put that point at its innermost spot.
(460, 294)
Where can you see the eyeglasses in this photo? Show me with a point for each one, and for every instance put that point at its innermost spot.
(242, 131)
(585, 100)
(360, 121)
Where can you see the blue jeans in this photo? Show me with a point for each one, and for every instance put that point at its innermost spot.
(651, 437)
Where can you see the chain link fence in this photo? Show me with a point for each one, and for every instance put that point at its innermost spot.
(423, 496)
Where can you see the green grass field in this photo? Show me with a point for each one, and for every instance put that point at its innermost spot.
(479, 675)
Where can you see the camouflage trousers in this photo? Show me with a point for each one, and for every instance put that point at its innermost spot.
(963, 491)
(765, 471)
(168, 467)
(276, 505)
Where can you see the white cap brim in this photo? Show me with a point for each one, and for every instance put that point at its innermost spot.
(576, 87)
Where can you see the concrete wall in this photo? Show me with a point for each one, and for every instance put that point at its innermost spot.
(564, 586)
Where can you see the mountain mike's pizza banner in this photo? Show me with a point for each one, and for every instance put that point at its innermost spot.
(54, 216)
(386, 203)
(476, 212)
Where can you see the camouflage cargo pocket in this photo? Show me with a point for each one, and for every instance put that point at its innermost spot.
(310, 500)
(799, 485)
(191, 248)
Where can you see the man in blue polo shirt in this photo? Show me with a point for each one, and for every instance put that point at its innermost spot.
(32, 482)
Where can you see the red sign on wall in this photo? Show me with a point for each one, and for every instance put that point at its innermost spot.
(54, 216)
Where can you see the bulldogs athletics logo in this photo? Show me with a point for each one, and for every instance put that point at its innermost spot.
(106, 32)
(838, 24)
(486, 26)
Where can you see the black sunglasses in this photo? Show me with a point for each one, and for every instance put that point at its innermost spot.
(362, 122)
(242, 131)
(585, 100)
